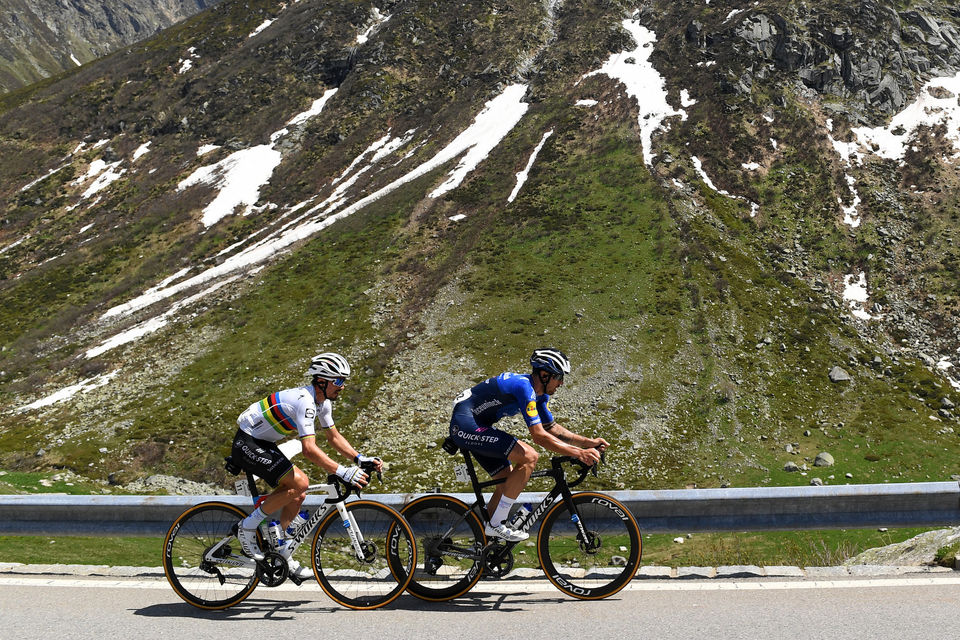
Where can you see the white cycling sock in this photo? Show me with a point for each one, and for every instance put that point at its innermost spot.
(253, 520)
(503, 508)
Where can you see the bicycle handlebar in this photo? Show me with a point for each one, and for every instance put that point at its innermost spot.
(345, 489)
(594, 469)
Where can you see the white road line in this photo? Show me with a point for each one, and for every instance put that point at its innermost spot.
(527, 586)
(853, 583)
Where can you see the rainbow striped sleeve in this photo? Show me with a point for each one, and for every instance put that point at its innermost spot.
(273, 413)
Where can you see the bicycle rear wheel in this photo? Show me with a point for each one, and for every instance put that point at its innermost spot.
(448, 533)
(595, 566)
(384, 570)
(219, 583)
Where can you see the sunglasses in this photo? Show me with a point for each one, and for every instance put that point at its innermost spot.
(339, 382)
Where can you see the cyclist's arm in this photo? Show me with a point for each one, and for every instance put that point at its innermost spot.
(549, 441)
(315, 454)
(575, 438)
(338, 442)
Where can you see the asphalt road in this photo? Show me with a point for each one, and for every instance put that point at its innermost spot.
(851, 609)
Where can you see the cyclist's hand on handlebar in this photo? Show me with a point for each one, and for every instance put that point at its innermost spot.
(374, 460)
(588, 457)
(600, 444)
(353, 476)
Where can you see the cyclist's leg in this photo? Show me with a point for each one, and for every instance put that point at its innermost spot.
(263, 458)
(498, 491)
(524, 460)
(288, 497)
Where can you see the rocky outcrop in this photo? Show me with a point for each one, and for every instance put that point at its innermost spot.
(41, 38)
(872, 56)
(919, 550)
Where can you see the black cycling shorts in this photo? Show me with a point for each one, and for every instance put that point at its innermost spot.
(260, 457)
(490, 446)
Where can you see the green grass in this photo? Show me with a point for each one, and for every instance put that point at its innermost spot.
(125, 551)
(790, 548)
(18, 482)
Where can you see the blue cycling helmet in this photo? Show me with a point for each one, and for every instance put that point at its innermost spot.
(550, 360)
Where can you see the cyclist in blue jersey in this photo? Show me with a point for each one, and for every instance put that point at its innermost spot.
(501, 454)
(287, 413)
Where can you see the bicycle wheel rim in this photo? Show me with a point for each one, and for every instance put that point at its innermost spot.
(602, 566)
(380, 577)
(430, 517)
(196, 582)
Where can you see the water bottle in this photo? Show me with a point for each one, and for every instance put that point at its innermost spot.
(523, 511)
(297, 522)
(276, 535)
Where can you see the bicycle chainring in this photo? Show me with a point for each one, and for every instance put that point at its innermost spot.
(497, 560)
(272, 570)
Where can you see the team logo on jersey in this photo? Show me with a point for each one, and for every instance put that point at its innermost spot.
(532, 409)
(309, 414)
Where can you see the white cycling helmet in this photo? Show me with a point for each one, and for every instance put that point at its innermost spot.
(550, 360)
(329, 366)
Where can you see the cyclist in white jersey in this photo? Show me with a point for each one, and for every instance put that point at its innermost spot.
(287, 413)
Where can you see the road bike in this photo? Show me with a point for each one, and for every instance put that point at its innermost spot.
(588, 545)
(363, 552)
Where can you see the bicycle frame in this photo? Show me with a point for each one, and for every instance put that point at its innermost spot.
(335, 499)
(561, 489)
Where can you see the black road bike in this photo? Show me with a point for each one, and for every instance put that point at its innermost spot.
(363, 552)
(588, 545)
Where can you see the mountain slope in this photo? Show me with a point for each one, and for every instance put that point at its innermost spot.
(674, 196)
(43, 39)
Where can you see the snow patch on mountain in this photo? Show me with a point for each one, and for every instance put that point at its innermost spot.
(523, 175)
(238, 178)
(495, 121)
(65, 393)
(643, 83)
(937, 104)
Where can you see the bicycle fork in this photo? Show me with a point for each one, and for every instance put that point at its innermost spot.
(356, 536)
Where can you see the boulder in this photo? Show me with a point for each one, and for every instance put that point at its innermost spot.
(837, 374)
(823, 459)
(920, 550)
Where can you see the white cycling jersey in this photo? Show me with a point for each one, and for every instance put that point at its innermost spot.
(286, 413)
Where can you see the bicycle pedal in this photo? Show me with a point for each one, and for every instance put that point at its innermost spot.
(294, 579)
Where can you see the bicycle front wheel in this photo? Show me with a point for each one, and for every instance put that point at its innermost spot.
(202, 558)
(374, 574)
(594, 560)
(449, 537)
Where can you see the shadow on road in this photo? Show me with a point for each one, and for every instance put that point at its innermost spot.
(476, 600)
(254, 608)
(246, 610)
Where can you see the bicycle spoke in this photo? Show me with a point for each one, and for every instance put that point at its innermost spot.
(379, 572)
(593, 555)
(449, 540)
(210, 583)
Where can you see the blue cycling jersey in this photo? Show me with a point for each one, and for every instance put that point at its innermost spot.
(505, 395)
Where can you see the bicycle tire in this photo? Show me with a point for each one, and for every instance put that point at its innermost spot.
(376, 580)
(448, 576)
(197, 582)
(609, 560)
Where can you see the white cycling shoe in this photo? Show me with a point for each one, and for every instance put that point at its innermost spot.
(248, 542)
(504, 532)
(297, 570)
